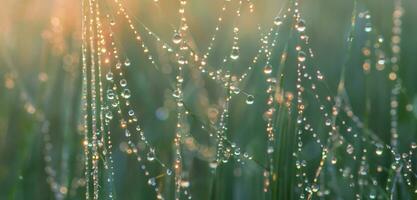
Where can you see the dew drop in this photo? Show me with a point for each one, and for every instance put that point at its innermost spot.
(328, 122)
(368, 27)
(301, 27)
(182, 60)
(152, 181)
(150, 156)
(315, 188)
(126, 93)
(213, 164)
(250, 99)
(277, 21)
(349, 149)
(270, 150)
(109, 115)
(301, 56)
(176, 38)
(235, 54)
(268, 69)
(109, 76)
(127, 62)
(123, 83)
(379, 150)
(110, 94)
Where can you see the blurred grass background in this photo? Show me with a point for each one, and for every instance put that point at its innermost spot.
(40, 94)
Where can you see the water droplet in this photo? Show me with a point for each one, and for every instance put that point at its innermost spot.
(277, 21)
(127, 133)
(349, 149)
(182, 60)
(379, 150)
(268, 69)
(250, 99)
(110, 94)
(123, 83)
(109, 115)
(176, 38)
(213, 164)
(109, 76)
(328, 122)
(270, 150)
(126, 93)
(301, 56)
(169, 172)
(301, 27)
(235, 54)
(185, 183)
(152, 181)
(315, 187)
(368, 27)
(151, 155)
(127, 62)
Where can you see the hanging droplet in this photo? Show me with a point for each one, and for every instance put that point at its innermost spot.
(277, 21)
(150, 155)
(349, 149)
(235, 54)
(169, 172)
(127, 62)
(127, 133)
(268, 69)
(250, 99)
(301, 56)
(379, 149)
(126, 93)
(176, 38)
(112, 22)
(213, 164)
(109, 76)
(328, 122)
(109, 115)
(182, 60)
(123, 83)
(380, 39)
(368, 27)
(237, 152)
(152, 181)
(315, 187)
(270, 150)
(301, 26)
(110, 94)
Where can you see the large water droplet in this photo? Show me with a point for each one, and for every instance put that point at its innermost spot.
(268, 69)
(250, 99)
(368, 27)
(349, 149)
(126, 93)
(176, 38)
(277, 21)
(123, 83)
(127, 62)
(301, 26)
(301, 56)
(151, 155)
(109, 76)
(152, 181)
(379, 150)
(235, 54)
